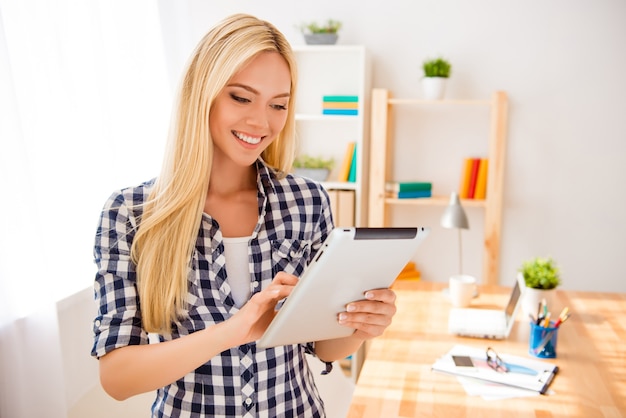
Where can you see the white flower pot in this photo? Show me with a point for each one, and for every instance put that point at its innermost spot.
(317, 174)
(320, 38)
(434, 88)
(532, 297)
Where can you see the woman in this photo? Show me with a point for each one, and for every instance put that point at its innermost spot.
(201, 255)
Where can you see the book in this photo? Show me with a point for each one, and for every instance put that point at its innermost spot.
(410, 194)
(338, 98)
(352, 175)
(349, 112)
(481, 180)
(473, 177)
(342, 207)
(345, 211)
(344, 171)
(465, 178)
(524, 373)
(407, 186)
(341, 105)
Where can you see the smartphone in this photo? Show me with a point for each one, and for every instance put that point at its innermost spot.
(462, 361)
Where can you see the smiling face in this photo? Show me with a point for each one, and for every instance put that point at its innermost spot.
(251, 110)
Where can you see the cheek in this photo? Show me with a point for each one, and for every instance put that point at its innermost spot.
(277, 121)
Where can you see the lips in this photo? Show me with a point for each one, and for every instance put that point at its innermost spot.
(253, 140)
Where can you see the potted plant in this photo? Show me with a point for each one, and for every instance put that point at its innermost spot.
(315, 168)
(321, 34)
(436, 74)
(541, 276)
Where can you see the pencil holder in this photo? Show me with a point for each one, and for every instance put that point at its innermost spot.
(543, 340)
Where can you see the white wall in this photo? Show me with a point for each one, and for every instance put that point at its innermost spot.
(562, 64)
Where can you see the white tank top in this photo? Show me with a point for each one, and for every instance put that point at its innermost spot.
(236, 253)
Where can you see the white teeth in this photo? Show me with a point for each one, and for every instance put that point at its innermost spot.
(248, 139)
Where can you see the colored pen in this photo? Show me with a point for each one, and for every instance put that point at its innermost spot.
(561, 319)
(546, 324)
(539, 313)
(562, 316)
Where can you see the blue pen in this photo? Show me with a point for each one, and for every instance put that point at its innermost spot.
(515, 368)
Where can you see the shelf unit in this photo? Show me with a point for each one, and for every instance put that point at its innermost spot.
(380, 168)
(335, 70)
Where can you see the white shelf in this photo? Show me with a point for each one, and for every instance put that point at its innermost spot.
(335, 70)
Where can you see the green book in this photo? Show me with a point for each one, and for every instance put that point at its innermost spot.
(352, 175)
(341, 98)
(407, 186)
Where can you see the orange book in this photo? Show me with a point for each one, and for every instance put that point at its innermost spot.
(473, 177)
(340, 105)
(344, 172)
(465, 178)
(481, 181)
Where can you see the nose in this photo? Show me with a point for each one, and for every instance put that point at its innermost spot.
(258, 116)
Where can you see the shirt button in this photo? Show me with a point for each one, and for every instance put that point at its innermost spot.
(97, 323)
(248, 401)
(256, 284)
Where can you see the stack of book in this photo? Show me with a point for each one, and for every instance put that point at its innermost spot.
(474, 178)
(340, 105)
(408, 189)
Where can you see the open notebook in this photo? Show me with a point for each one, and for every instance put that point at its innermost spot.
(487, 323)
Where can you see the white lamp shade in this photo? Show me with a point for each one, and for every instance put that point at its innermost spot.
(454, 215)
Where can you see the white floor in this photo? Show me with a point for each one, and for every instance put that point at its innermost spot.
(335, 388)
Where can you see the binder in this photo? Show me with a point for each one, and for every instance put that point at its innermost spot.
(524, 373)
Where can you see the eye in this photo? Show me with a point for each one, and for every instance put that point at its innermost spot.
(239, 99)
(279, 107)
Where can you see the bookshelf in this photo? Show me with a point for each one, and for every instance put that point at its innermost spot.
(340, 70)
(344, 70)
(381, 163)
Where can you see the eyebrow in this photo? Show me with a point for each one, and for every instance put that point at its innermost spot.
(254, 91)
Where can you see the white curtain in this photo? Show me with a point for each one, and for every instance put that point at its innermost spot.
(84, 109)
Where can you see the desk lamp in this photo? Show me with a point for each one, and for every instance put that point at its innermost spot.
(455, 217)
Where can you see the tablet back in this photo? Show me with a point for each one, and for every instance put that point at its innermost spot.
(350, 262)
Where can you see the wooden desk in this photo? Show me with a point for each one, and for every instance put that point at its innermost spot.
(396, 379)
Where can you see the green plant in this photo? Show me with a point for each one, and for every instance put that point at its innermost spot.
(307, 161)
(436, 68)
(541, 273)
(331, 26)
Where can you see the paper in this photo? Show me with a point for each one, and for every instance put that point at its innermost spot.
(524, 373)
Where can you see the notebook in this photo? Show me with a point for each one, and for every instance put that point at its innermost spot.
(350, 262)
(487, 323)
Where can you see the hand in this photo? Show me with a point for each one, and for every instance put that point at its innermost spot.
(255, 316)
(370, 317)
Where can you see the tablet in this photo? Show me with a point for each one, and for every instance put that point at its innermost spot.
(350, 262)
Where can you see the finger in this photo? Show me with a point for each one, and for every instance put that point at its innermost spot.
(381, 295)
(283, 278)
(373, 326)
(364, 319)
(375, 307)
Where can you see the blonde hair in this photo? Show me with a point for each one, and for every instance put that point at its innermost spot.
(164, 243)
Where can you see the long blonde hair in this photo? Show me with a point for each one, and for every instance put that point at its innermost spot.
(164, 243)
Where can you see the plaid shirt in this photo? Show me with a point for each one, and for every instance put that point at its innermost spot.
(245, 381)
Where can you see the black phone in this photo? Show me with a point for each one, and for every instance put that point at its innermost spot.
(462, 361)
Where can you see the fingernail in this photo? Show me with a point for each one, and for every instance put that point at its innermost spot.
(342, 317)
(350, 308)
(369, 295)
